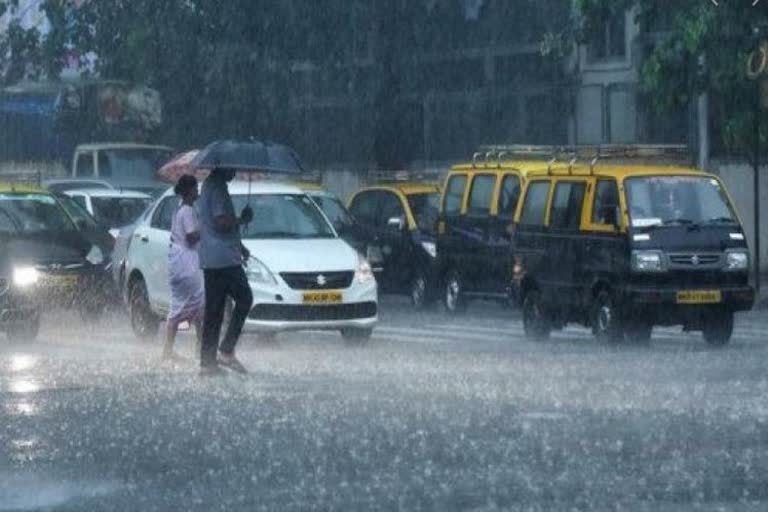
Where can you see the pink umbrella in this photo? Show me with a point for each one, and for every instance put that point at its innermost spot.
(179, 165)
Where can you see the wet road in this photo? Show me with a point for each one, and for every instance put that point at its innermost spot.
(434, 414)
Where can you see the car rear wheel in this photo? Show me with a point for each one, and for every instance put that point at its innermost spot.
(536, 325)
(144, 322)
(26, 330)
(718, 328)
(454, 289)
(419, 292)
(606, 319)
(356, 336)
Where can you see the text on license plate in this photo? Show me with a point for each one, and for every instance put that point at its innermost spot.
(330, 297)
(62, 281)
(699, 297)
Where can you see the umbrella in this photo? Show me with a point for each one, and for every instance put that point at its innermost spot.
(251, 156)
(180, 165)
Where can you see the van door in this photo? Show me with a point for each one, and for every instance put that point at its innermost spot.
(450, 251)
(364, 207)
(477, 225)
(397, 250)
(565, 243)
(530, 236)
(500, 237)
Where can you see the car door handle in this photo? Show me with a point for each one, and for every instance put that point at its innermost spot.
(143, 238)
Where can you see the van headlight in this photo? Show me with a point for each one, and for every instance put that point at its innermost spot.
(25, 276)
(364, 272)
(647, 261)
(736, 260)
(430, 248)
(257, 272)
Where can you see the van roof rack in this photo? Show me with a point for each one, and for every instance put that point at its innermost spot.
(594, 152)
(402, 175)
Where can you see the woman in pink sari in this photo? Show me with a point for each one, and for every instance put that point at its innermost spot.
(186, 278)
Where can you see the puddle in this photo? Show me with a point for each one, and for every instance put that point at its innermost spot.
(32, 492)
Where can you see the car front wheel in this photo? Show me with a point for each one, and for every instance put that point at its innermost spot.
(718, 328)
(606, 319)
(144, 322)
(454, 300)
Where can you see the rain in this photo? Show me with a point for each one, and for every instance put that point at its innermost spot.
(488, 255)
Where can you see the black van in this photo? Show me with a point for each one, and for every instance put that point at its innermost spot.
(622, 249)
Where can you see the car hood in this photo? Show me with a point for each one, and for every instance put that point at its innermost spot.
(58, 248)
(331, 254)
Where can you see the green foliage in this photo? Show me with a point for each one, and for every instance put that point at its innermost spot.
(693, 46)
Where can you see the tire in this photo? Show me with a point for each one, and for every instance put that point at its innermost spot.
(718, 328)
(25, 331)
(453, 301)
(606, 319)
(356, 336)
(535, 323)
(144, 322)
(418, 292)
(639, 332)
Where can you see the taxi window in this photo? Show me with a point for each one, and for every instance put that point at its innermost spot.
(535, 204)
(606, 201)
(454, 193)
(481, 194)
(390, 207)
(163, 216)
(363, 207)
(510, 193)
(566, 205)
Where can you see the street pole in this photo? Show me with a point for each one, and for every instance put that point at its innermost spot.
(756, 179)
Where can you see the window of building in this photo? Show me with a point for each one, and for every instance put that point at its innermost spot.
(609, 41)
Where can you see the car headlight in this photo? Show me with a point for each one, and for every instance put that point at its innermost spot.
(95, 256)
(25, 276)
(647, 261)
(364, 272)
(736, 260)
(430, 247)
(257, 272)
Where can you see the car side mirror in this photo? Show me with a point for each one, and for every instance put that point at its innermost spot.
(396, 224)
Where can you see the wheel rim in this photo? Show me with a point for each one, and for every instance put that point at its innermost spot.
(604, 317)
(452, 293)
(418, 291)
(139, 310)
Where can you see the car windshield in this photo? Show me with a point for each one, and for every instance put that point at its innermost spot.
(79, 214)
(293, 216)
(333, 209)
(677, 200)
(132, 164)
(32, 213)
(116, 212)
(425, 207)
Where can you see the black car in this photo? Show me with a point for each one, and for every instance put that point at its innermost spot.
(397, 221)
(46, 261)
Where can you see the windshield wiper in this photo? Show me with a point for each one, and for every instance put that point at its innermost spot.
(719, 220)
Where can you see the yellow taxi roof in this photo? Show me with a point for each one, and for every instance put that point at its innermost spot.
(408, 187)
(22, 188)
(621, 172)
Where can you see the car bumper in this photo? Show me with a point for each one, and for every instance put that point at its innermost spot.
(660, 305)
(280, 308)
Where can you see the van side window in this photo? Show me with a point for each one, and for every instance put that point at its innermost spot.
(454, 194)
(606, 202)
(163, 216)
(481, 194)
(510, 193)
(84, 165)
(363, 207)
(567, 205)
(535, 204)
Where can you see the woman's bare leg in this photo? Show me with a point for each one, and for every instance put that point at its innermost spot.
(170, 339)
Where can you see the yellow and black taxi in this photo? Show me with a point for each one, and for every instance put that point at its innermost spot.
(474, 243)
(45, 261)
(396, 221)
(624, 248)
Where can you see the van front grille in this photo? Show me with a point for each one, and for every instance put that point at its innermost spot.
(694, 260)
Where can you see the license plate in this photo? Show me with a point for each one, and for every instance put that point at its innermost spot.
(62, 281)
(331, 297)
(699, 297)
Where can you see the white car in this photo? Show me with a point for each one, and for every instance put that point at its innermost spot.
(113, 209)
(302, 275)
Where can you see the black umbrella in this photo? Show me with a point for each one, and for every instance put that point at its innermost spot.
(253, 156)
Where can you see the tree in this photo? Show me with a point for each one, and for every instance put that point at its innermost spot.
(694, 46)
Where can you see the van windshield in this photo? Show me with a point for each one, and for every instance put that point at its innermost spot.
(677, 200)
(291, 216)
(136, 164)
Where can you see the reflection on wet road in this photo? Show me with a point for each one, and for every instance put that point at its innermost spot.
(433, 414)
